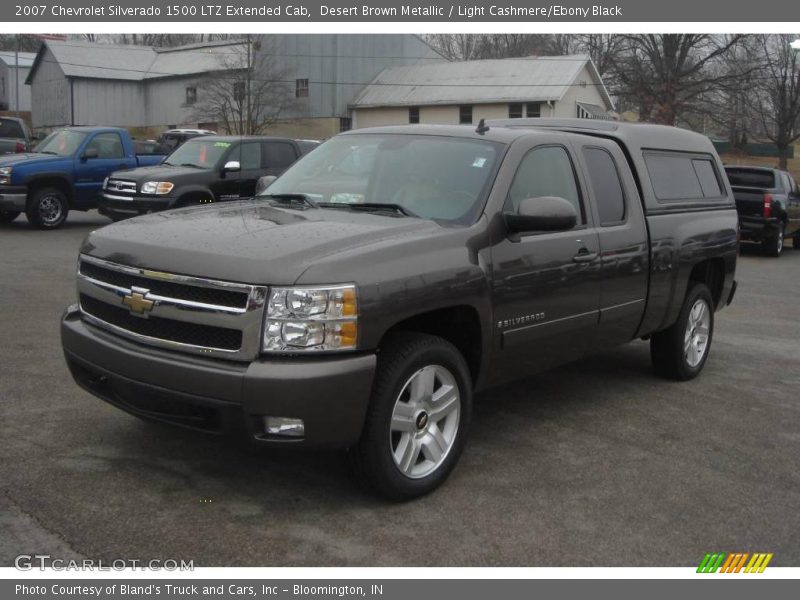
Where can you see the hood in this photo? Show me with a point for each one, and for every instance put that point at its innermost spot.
(9, 160)
(157, 173)
(248, 241)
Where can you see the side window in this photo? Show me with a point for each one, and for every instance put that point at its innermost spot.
(676, 177)
(108, 145)
(604, 179)
(546, 171)
(707, 176)
(250, 156)
(278, 155)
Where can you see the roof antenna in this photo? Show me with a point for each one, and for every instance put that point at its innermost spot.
(482, 127)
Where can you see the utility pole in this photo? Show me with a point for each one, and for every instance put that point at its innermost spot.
(247, 83)
(16, 77)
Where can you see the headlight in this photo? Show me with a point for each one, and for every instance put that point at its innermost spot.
(303, 319)
(5, 175)
(157, 187)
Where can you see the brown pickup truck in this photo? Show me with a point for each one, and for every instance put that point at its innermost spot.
(374, 287)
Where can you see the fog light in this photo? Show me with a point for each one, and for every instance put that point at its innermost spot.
(284, 426)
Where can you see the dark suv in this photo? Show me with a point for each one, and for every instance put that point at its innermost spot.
(202, 170)
(768, 203)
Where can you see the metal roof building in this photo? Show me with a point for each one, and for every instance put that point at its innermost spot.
(14, 68)
(557, 86)
(84, 83)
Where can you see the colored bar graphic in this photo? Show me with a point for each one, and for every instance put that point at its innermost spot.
(734, 562)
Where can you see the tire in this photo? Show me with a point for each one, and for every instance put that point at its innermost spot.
(679, 352)
(774, 245)
(47, 208)
(6, 216)
(406, 450)
(796, 241)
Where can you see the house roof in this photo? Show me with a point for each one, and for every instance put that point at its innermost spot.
(480, 81)
(25, 58)
(90, 60)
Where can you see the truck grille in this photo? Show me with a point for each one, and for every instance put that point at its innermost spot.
(194, 293)
(178, 312)
(121, 187)
(167, 329)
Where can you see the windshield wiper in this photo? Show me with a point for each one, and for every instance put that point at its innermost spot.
(48, 152)
(371, 207)
(189, 165)
(291, 199)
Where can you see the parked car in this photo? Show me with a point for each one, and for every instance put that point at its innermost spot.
(768, 203)
(204, 169)
(363, 313)
(307, 146)
(150, 147)
(14, 135)
(65, 172)
(173, 138)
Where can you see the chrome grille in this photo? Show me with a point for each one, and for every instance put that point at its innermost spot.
(190, 314)
(120, 189)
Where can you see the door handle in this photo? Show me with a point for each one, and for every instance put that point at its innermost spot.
(584, 255)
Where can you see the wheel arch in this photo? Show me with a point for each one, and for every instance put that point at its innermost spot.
(458, 324)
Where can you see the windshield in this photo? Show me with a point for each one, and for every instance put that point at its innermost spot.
(435, 177)
(63, 143)
(758, 178)
(11, 129)
(202, 153)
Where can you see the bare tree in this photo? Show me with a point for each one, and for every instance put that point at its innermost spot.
(778, 99)
(668, 74)
(249, 91)
(456, 46)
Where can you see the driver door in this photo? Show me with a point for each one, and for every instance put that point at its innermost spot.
(546, 285)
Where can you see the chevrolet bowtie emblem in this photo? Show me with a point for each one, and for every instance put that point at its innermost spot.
(137, 302)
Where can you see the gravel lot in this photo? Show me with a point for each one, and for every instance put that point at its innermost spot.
(595, 464)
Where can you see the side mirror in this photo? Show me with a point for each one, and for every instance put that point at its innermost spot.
(90, 153)
(232, 166)
(545, 213)
(264, 182)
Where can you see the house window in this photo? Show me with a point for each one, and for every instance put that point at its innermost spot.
(301, 88)
(465, 114)
(413, 114)
(345, 123)
(533, 110)
(515, 111)
(238, 91)
(191, 95)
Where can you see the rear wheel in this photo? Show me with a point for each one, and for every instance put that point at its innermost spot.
(796, 241)
(774, 245)
(417, 421)
(680, 352)
(47, 208)
(6, 216)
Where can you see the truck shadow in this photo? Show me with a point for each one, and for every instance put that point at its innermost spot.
(250, 481)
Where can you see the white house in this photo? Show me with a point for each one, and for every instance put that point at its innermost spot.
(14, 69)
(465, 92)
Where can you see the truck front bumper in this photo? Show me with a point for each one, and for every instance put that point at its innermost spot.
(119, 207)
(329, 394)
(13, 198)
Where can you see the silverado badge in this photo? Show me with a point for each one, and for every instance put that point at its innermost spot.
(137, 302)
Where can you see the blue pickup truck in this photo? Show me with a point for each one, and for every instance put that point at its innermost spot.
(65, 172)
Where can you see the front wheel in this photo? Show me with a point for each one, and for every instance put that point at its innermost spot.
(680, 352)
(6, 216)
(47, 208)
(417, 422)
